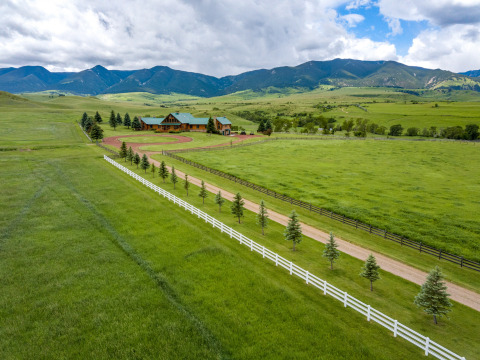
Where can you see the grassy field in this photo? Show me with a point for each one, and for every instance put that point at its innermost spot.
(426, 191)
(88, 257)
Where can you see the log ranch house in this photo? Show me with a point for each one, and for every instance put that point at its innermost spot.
(185, 122)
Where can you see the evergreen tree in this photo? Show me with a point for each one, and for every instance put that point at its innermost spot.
(98, 118)
(84, 120)
(330, 251)
(163, 171)
(219, 200)
(173, 177)
(293, 231)
(96, 133)
(130, 155)
(88, 124)
(136, 124)
(261, 126)
(136, 159)
(237, 206)
(433, 297)
(113, 120)
(211, 126)
(126, 121)
(123, 151)
(370, 270)
(262, 216)
(145, 164)
(187, 183)
(268, 125)
(203, 192)
(119, 119)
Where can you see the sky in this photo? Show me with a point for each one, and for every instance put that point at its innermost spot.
(228, 37)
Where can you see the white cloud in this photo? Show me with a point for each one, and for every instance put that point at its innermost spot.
(356, 4)
(454, 48)
(352, 19)
(394, 25)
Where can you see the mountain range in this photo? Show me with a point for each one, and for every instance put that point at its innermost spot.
(164, 80)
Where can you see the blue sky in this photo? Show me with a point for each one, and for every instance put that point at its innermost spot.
(227, 37)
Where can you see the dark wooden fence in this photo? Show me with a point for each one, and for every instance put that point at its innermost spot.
(341, 218)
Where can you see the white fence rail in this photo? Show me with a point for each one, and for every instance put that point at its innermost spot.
(428, 346)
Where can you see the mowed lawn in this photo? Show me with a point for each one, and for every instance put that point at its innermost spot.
(427, 191)
(93, 264)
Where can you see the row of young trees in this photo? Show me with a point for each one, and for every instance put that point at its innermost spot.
(91, 126)
(432, 297)
(117, 120)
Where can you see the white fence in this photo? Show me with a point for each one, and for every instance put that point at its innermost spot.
(398, 329)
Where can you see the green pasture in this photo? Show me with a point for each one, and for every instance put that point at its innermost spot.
(427, 191)
(397, 304)
(83, 266)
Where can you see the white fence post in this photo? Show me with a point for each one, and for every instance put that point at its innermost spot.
(368, 312)
(345, 298)
(395, 326)
(291, 267)
(306, 277)
(263, 251)
(324, 287)
(427, 343)
(251, 245)
(276, 259)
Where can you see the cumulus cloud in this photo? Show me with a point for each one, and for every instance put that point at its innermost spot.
(352, 19)
(209, 36)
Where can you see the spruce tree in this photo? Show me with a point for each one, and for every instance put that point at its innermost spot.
(370, 270)
(113, 120)
(119, 119)
(98, 118)
(293, 231)
(211, 126)
(154, 169)
(173, 177)
(237, 206)
(203, 192)
(145, 164)
(136, 124)
(268, 125)
(130, 155)
(88, 124)
(126, 121)
(261, 126)
(262, 216)
(433, 297)
(136, 159)
(96, 132)
(84, 120)
(123, 151)
(219, 200)
(187, 183)
(330, 251)
(163, 171)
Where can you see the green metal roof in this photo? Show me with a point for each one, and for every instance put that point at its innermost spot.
(223, 120)
(152, 120)
(184, 118)
(199, 121)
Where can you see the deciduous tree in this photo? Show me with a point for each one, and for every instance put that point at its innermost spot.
(262, 216)
(396, 130)
(154, 169)
(370, 270)
(330, 252)
(433, 296)
(237, 206)
(293, 231)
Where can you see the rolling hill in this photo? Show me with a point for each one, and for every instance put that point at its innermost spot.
(164, 80)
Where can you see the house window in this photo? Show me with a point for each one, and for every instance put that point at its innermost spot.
(198, 126)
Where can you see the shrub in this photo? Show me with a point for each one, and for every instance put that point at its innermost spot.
(413, 131)
(396, 130)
